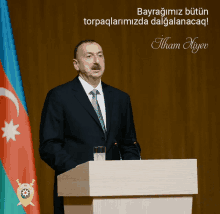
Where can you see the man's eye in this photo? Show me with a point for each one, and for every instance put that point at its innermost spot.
(100, 55)
(88, 56)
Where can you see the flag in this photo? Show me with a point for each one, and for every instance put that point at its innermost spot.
(18, 182)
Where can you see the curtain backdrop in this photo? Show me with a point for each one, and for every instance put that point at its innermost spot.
(174, 93)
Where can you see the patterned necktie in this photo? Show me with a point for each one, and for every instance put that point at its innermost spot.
(96, 106)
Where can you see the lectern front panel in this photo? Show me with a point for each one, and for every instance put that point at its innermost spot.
(181, 205)
(108, 205)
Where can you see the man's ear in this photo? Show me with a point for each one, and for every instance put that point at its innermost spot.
(76, 64)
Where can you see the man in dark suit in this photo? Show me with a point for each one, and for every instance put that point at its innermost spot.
(85, 113)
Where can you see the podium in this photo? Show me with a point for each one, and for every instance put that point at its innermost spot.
(130, 187)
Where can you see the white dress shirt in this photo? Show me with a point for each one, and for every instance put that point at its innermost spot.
(100, 97)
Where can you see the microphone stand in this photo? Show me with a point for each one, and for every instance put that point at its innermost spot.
(135, 143)
(138, 147)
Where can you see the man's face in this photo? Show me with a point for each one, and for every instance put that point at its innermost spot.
(90, 60)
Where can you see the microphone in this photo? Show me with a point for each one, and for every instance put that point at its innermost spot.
(118, 150)
(135, 143)
(138, 147)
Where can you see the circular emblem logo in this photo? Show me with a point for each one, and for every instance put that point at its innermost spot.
(25, 193)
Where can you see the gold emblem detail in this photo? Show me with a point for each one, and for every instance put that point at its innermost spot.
(25, 193)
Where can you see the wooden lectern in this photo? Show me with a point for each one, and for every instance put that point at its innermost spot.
(130, 187)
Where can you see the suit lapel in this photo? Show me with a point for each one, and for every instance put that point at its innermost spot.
(108, 96)
(82, 97)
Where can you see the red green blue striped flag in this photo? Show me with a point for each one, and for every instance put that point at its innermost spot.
(18, 182)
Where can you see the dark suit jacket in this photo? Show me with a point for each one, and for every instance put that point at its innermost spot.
(70, 129)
